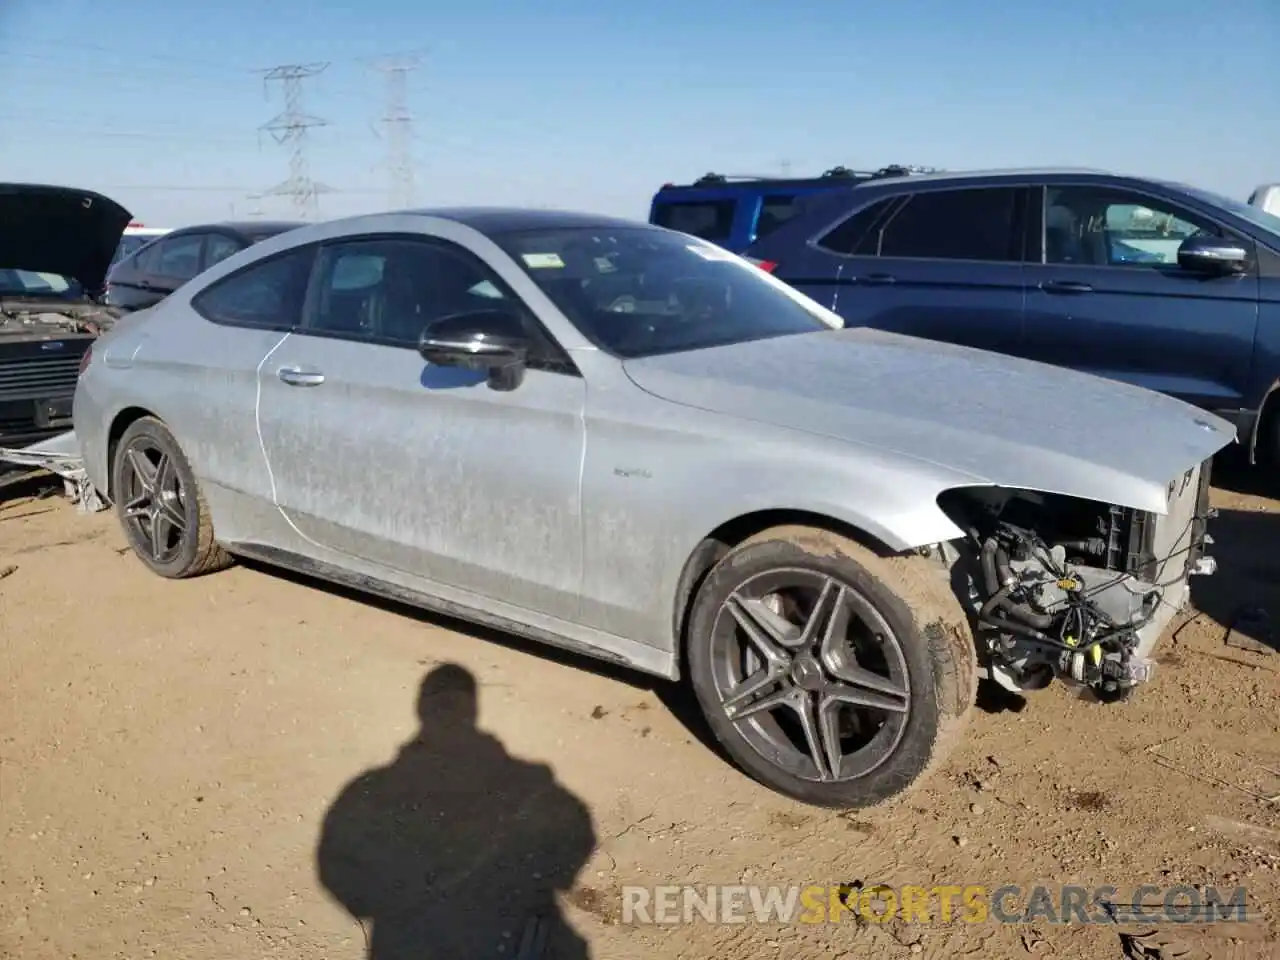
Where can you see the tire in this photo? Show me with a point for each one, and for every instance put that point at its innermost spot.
(907, 629)
(187, 547)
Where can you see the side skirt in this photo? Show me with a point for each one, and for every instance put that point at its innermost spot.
(611, 649)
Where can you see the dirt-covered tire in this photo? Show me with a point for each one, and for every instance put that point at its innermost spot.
(907, 629)
(159, 503)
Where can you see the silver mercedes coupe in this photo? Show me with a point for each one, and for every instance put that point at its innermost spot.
(625, 441)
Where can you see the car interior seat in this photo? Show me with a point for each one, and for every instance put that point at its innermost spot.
(1062, 242)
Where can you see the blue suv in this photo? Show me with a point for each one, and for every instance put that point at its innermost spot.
(1159, 284)
(735, 212)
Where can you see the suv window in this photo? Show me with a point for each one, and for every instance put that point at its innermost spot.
(177, 257)
(220, 247)
(1105, 227)
(388, 290)
(268, 294)
(709, 219)
(973, 224)
(857, 235)
(775, 210)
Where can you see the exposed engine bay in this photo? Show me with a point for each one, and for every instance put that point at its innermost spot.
(33, 318)
(1065, 588)
(42, 343)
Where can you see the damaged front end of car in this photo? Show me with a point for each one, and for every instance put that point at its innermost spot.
(1064, 588)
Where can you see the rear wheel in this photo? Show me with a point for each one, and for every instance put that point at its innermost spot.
(159, 503)
(830, 674)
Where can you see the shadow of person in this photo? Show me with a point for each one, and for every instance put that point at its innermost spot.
(456, 849)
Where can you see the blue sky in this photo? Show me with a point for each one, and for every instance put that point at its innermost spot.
(590, 105)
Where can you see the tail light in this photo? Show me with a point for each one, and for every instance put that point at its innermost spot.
(84, 360)
(768, 266)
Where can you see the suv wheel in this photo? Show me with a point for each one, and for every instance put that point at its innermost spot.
(159, 504)
(830, 674)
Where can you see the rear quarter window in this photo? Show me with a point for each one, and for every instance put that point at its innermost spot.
(709, 219)
(775, 210)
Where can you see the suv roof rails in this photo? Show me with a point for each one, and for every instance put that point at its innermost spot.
(839, 172)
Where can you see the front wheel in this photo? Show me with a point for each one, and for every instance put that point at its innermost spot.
(831, 675)
(159, 504)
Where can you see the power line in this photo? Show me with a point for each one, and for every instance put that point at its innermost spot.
(290, 126)
(209, 188)
(397, 123)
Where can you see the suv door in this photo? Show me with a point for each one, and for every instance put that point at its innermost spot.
(943, 264)
(1109, 297)
(425, 470)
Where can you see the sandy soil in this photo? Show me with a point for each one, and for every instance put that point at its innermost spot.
(214, 768)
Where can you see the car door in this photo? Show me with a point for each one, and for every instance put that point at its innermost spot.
(177, 259)
(1109, 297)
(127, 284)
(421, 469)
(940, 264)
(157, 270)
(209, 371)
(219, 246)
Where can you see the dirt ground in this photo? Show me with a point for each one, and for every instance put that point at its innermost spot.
(231, 767)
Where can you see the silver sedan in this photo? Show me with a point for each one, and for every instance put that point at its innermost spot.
(622, 440)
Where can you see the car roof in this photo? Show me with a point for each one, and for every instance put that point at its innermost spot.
(246, 228)
(491, 220)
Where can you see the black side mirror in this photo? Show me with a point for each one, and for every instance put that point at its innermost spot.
(1213, 255)
(493, 341)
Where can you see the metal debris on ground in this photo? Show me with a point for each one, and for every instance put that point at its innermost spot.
(1159, 946)
(7, 571)
(60, 455)
(533, 939)
(1251, 630)
(1255, 774)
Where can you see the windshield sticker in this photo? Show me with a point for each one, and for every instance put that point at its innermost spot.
(542, 261)
(711, 253)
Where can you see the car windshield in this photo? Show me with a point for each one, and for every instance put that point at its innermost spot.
(638, 292)
(1255, 215)
(26, 283)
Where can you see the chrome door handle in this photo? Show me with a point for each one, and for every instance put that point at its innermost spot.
(297, 377)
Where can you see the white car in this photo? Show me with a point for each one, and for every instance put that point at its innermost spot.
(1267, 197)
(136, 236)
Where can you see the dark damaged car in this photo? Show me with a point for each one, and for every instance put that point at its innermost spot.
(55, 248)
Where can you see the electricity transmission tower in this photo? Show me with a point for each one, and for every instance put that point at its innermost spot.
(397, 124)
(290, 127)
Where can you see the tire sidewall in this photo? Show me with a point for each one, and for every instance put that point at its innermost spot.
(159, 434)
(915, 747)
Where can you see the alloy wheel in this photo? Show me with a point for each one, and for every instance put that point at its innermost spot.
(154, 498)
(811, 674)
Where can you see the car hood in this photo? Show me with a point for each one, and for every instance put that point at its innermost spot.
(60, 230)
(984, 417)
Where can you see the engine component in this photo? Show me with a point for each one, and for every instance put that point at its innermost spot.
(1071, 589)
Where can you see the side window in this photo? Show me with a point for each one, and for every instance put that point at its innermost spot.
(178, 257)
(775, 210)
(219, 247)
(977, 224)
(144, 261)
(859, 233)
(268, 294)
(1103, 227)
(388, 290)
(709, 219)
